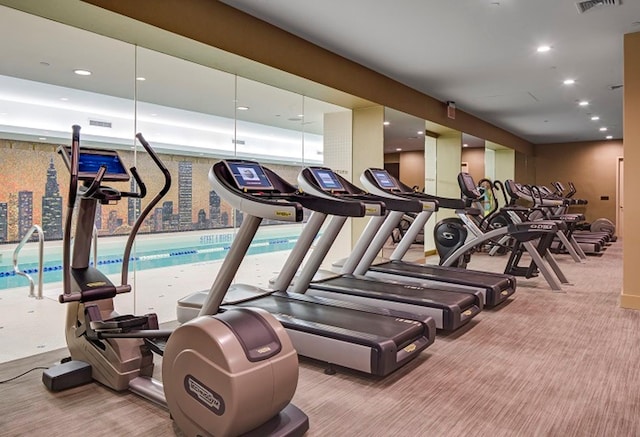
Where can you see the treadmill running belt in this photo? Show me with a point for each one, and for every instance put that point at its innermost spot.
(495, 281)
(398, 292)
(352, 325)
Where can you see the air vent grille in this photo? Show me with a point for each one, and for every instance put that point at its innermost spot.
(588, 5)
(99, 123)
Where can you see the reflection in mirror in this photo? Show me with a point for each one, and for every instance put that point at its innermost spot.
(188, 114)
(404, 145)
(473, 155)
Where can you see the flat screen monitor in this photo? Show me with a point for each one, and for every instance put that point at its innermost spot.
(249, 175)
(385, 180)
(90, 161)
(327, 179)
(468, 182)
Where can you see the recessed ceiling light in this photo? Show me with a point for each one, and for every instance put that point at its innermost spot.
(542, 49)
(386, 123)
(82, 72)
(141, 79)
(242, 108)
(42, 138)
(595, 118)
(609, 137)
(301, 115)
(583, 103)
(465, 145)
(569, 81)
(603, 129)
(64, 99)
(420, 132)
(398, 149)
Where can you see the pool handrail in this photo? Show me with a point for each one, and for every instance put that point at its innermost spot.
(16, 252)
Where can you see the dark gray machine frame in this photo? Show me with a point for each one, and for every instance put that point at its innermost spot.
(450, 309)
(365, 338)
(498, 287)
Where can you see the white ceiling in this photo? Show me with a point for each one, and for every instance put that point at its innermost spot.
(180, 106)
(482, 55)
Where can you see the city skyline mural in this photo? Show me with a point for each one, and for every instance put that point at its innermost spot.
(34, 184)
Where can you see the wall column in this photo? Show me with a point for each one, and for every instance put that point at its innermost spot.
(430, 187)
(449, 157)
(353, 142)
(367, 151)
(631, 234)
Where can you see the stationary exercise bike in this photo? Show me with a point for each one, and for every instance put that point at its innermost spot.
(232, 373)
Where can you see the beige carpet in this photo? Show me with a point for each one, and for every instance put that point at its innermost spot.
(544, 364)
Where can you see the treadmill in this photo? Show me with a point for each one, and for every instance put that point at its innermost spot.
(364, 338)
(498, 287)
(451, 310)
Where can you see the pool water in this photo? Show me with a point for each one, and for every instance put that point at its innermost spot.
(151, 252)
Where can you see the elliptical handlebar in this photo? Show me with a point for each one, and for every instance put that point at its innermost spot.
(143, 215)
(71, 201)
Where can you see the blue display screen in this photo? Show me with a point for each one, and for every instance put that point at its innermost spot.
(90, 163)
(384, 179)
(327, 179)
(249, 175)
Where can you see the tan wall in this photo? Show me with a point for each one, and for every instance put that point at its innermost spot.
(525, 171)
(474, 157)
(631, 232)
(392, 158)
(412, 168)
(591, 166)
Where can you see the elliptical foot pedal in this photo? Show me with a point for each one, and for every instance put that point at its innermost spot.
(157, 345)
(67, 375)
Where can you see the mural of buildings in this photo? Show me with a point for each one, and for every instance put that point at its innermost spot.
(3, 222)
(98, 222)
(25, 212)
(156, 220)
(202, 223)
(238, 216)
(114, 222)
(133, 205)
(12, 218)
(214, 209)
(185, 193)
(25, 200)
(52, 206)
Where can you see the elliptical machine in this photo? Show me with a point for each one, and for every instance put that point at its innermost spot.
(232, 373)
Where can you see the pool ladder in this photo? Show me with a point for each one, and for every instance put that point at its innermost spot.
(25, 239)
(16, 269)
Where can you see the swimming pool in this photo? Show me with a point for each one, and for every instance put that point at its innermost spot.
(151, 251)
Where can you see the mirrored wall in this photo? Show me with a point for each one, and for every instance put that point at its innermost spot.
(192, 115)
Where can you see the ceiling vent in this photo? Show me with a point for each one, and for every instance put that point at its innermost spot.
(588, 5)
(100, 123)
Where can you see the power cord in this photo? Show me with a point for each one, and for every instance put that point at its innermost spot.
(22, 374)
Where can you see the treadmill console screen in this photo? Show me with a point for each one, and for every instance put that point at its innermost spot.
(327, 179)
(385, 180)
(90, 161)
(468, 182)
(249, 175)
